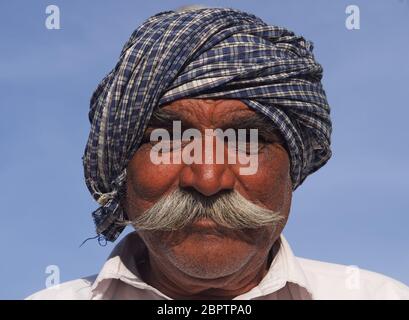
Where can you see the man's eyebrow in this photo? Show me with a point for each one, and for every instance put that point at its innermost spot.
(163, 118)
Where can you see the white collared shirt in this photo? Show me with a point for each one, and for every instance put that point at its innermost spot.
(289, 277)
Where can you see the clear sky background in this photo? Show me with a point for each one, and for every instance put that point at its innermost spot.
(354, 211)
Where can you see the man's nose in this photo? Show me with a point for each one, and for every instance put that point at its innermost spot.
(207, 176)
(208, 179)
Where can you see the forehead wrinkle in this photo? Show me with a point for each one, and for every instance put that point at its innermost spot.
(211, 113)
(228, 110)
(205, 111)
(200, 112)
(180, 107)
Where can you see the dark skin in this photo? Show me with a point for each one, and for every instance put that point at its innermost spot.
(207, 261)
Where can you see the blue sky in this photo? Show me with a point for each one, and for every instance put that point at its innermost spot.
(354, 211)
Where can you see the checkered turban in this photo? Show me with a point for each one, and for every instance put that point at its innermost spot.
(203, 53)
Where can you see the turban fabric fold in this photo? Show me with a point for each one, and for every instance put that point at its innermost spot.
(204, 53)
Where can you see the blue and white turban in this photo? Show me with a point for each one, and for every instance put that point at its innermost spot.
(203, 53)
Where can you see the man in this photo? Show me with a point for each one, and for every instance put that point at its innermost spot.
(205, 228)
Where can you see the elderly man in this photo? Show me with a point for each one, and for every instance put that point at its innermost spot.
(207, 229)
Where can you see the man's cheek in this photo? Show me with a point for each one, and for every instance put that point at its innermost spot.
(150, 180)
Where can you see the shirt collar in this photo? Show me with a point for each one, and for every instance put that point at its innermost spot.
(122, 266)
(285, 268)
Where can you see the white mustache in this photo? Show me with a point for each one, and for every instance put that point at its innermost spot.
(181, 208)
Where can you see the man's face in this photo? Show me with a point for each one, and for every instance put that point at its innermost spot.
(204, 249)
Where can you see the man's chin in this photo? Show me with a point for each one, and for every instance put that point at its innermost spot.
(207, 252)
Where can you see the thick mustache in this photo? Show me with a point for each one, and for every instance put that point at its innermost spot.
(183, 207)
